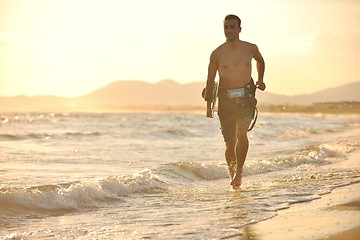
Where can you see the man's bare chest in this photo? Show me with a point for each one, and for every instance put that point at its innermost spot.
(235, 59)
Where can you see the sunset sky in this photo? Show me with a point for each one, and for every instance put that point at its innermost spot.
(73, 47)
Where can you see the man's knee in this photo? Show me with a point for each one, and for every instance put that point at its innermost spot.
(241, 137)
(230, 144)
(241, 134)
(241, 129)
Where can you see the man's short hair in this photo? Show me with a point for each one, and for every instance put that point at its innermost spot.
(233, 17)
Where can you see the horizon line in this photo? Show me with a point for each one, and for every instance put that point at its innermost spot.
(159, 82)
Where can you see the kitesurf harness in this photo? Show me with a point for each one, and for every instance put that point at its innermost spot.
(248, 91)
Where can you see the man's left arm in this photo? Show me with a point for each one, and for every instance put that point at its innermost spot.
(260, 66)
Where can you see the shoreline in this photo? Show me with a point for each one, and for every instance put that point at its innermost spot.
(335, 216)
(350, 107)
(321, 107)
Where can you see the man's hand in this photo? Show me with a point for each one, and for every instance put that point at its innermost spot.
(260, 85)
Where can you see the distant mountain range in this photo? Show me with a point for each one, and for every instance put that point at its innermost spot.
(166, 94)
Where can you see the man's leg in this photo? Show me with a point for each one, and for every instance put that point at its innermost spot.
(231, 157)
(241, 149)
(228, 130)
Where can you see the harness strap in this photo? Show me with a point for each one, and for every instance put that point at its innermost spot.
(253, 120)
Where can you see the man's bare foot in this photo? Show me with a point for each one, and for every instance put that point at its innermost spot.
(236, 182)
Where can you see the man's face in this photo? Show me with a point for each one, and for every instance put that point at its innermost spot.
(231, 29)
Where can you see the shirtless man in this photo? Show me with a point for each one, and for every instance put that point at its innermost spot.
(232, 60)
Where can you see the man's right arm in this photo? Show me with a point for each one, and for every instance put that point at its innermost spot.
(210, 82)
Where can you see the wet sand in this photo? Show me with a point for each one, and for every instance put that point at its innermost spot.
(334, 216)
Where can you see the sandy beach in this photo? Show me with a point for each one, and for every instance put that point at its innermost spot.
(334, 216)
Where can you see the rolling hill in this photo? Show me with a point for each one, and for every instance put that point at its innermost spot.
(166, 94)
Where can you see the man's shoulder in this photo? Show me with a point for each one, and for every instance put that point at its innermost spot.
(219, 48)
(218, 51)
(248, 44)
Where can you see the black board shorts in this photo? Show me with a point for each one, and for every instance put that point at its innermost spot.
(232, 110)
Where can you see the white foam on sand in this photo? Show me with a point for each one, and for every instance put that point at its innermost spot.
(316, 219)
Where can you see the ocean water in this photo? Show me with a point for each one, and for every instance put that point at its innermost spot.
(161, 175)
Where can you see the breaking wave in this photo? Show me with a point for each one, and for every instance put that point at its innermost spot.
(85, 194)
(78, 195)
